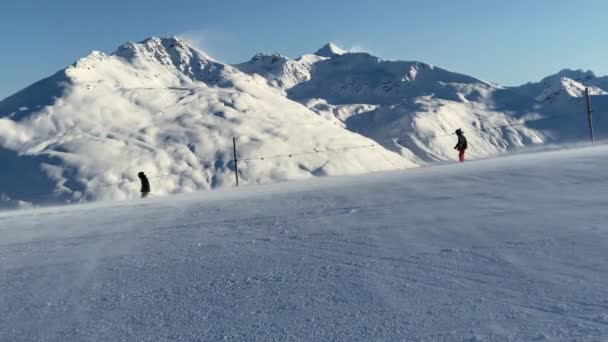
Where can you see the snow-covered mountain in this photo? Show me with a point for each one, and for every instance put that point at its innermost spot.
(162, 107)
(564, 86)
(556, 105)
(410, 107)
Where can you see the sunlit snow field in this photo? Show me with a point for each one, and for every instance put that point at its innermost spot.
(508, 249)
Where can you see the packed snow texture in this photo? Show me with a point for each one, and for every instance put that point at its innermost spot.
(510, 249)
(162, 107)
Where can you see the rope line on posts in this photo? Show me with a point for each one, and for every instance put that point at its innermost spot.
(377, 143)
(290, 155)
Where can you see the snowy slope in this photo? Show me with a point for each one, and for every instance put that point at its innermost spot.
(558, 102)
(280, 71)
(413, 107)
(408, 107)
(563, 86)
(511, 249)
(164, 108)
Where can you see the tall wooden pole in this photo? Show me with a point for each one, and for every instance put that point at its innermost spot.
(589, 117)
(236, 165)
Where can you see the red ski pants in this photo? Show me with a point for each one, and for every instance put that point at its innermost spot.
(461, 155)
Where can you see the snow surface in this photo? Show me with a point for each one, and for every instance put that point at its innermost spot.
(163, 107)
(510, 249)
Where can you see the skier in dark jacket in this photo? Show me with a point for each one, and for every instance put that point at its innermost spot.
(462, 145)
(145, 185)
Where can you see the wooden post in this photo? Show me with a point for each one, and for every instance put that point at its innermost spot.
(236, 165)
(589, 117)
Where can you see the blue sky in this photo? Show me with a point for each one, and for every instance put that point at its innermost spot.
(508, 42)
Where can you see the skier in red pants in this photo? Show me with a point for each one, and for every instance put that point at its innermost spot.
(462, 145)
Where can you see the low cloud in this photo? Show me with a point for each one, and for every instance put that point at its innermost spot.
(197, 39)
(212, 42)
(360, 48)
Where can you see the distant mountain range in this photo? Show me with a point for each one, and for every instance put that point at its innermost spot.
(163, 107)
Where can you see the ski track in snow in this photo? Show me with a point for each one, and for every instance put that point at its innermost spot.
(510, 249)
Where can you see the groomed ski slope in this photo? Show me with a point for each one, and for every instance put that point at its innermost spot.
(509, 249)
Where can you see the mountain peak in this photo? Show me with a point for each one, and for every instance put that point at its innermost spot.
(157, 47)
(168, 42)
(578, 75)
(261, 58)
(330, 50)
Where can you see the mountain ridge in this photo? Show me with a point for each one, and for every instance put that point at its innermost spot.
(162, 106)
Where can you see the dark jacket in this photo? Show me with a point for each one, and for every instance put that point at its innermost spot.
(462, 143)
(145, 185)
